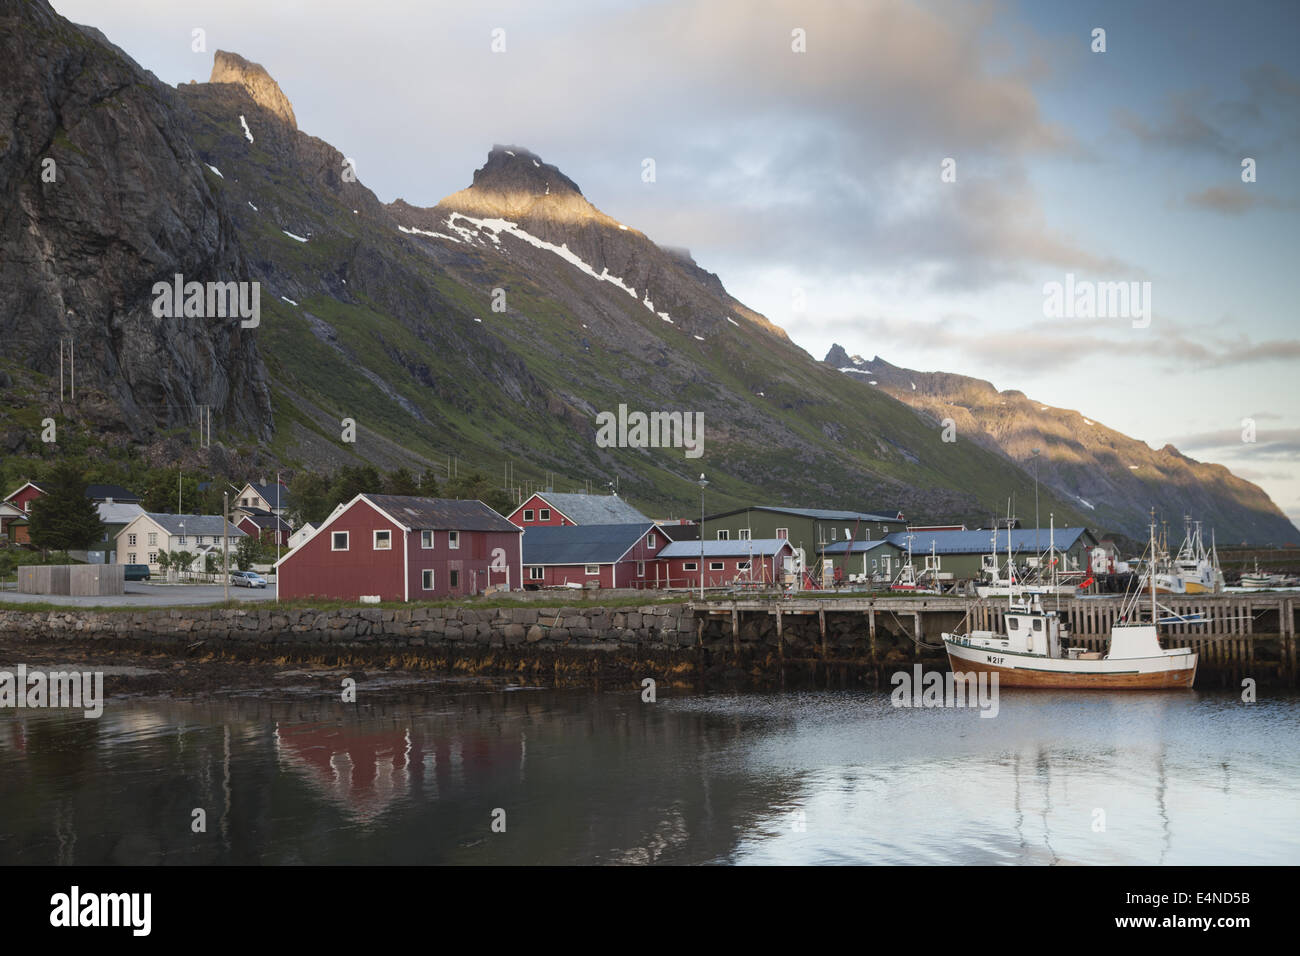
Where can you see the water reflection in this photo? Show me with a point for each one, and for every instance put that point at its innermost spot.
(582, 777)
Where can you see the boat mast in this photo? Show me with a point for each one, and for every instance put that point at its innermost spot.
(1152, 575)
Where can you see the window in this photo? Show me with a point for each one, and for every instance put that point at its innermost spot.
(339, 541)
(426, 580)
(544, 514)
(689, 566)
(832, 534)
(153, 538)
(130, 540)
(593, 569)
(426, 539)
(453, 539)
(198, 539)
(130, 557)
(783, 533)
(535, 574)
(1013, 624)
(528, 514)
(743, 535)
(651, 541)
(383, 541)
(640, 569)
(724, 535)
(453, 579)
(180, 539)
(153, 557)
(1038, 624)
(742, 565)
(716, 565)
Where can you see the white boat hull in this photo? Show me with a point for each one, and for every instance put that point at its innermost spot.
(1171, 669)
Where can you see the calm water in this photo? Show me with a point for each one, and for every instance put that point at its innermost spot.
(585, 777)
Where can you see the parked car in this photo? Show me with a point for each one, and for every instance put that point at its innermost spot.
(247, 579)
(136, 572)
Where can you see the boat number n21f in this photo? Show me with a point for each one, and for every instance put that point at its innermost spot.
(994, 660)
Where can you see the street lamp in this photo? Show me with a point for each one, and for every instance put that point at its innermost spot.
(702, 483)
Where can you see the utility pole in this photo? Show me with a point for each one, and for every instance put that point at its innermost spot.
(178, 491)
(278, 519)
(225, 546)
(703, 482)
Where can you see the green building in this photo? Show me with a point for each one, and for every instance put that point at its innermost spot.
(807, 529)
(879, 560)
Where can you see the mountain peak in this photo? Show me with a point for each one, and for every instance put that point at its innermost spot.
(515, 183)
(514, 169)
(233, 68)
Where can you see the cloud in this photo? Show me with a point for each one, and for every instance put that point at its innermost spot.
(1196, 121)
(1236, 200)
(1057, 344)
(1273, 443)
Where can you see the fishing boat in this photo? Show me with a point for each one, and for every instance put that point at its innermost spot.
(907, 580)
(1261, 580)
(1195, 569)
(997, 586)
(1035, 650)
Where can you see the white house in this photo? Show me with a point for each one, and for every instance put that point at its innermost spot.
(273, 498)
(302, 534)
(148, 534)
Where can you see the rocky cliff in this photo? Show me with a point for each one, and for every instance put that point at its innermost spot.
(101, 196)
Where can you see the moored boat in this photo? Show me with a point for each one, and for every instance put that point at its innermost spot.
(1035, 650)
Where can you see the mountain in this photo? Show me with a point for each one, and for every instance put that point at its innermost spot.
(1116, 479)
(101, 195)
(488, 330)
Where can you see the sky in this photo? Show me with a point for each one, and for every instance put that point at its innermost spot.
(812, 180)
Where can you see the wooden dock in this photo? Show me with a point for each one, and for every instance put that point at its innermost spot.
(1239, 636)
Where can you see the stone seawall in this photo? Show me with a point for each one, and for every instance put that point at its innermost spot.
(660, 626)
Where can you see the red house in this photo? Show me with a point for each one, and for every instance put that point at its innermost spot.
(22, 500)
(555, 509)
(592, 555)
(264, 526)
(404, 549)
(757, 561)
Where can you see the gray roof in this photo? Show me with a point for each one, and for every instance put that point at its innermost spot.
(723, 549)
(119, 512)
(980, 541)
(582, 543)
(193, 524)
(269, 492)
(441, 514)
(593, 509)
(817, 514)
(859, 547)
